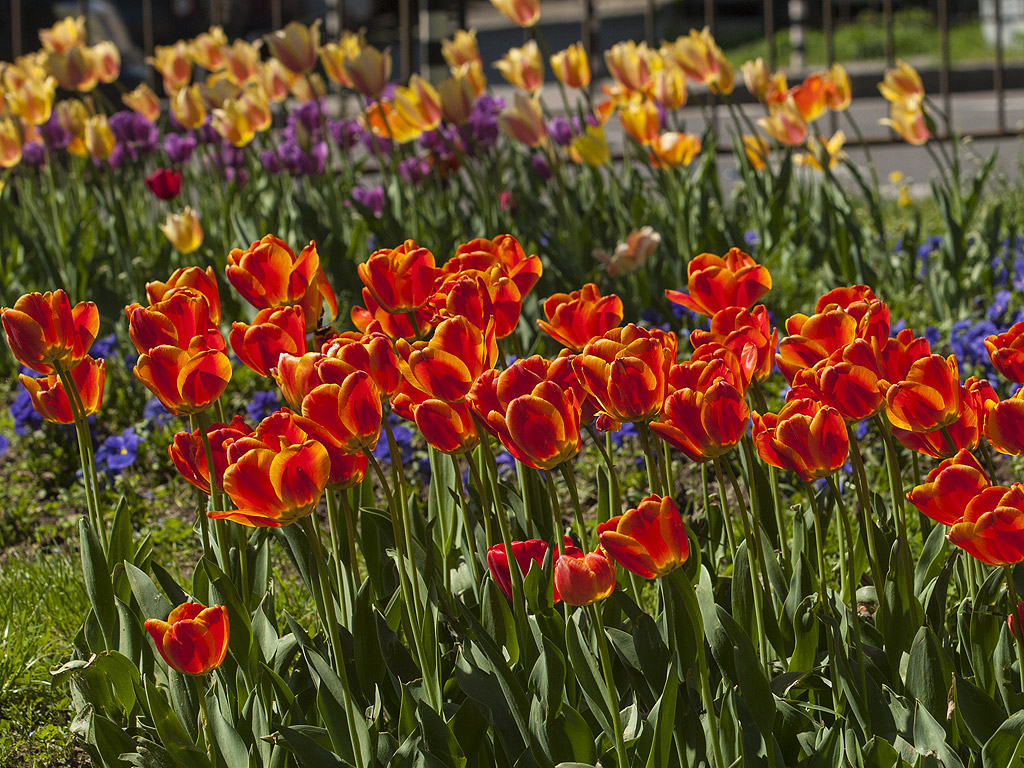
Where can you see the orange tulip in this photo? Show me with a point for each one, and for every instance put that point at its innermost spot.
(626, 371)
(51, 401)
(1004, 425)
(992, 528)
(949, 488)
(573, 319)
(296, 46)
(1006, 351)
(273, 332)
(43, 330)
(718, 282)
(182, 316)
(582, 579)
(188, 452)
(536, 419)
(703, 422)
(198, 280)
(847, 381)
(805, 436)
(976, 397)
(641, 120)
(185, 381)
(372, 318)
(811, 97)
(194, 639)
(503, 251)
(572, 67)
(275, 475)
(673, 149)
(269, 274)
(371, 352)
(649, 540)
(446, 427)
(756, 150)
(829, 330)
(744, 332)
(895, 355)
(447, 365)
(525, 13)
(837, 88)
(348, 413)
(400, 279)
(929, 398)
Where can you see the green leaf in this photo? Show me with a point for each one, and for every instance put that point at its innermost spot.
(438, 738)
(97, 583)
(929, 674)
(584, 666)
(119, 549)
(308, 753)
(980, 713)
(228, 743)
(151, 601)
(547, 680)
(662, 717)
(1004, 747)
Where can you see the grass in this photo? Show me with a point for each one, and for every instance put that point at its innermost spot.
(915, 37)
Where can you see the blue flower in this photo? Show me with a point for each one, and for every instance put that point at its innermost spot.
(5, 443)
(154, 411)
(932, 335)
(118, 452)
(102, 347)
(25, 417)
(999, 305)
(262, 405)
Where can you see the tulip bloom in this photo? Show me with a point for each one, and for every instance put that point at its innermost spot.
(242, 62)
(10, 142)
(992, 528)
(785, 123)
(526, 553)
(524, 121)
(174, 64)
(703, 423)
(504, 251)
(189, 454)
(371, 352)
(823, 334)
(536, 419)
(273, 331)
(1006, 351)
(185, 381)
(99, 138)
(203, 282)
(582, 579)
(703, 61)
(523, 67)
(632, 255)
(368, 70)
(419, 103)
(745, 332)
(641, 120)
(296, 46)
(164, 183)
(400, 279)
(811, 97)
(276, 475)
(949, 488)
(573, 319)
(183, 230)
(848, 381)
(181, 317)
(44, 330)
(194, 639)
(447, 365)
(571, 66)
(902, 85)
(269, 274)
(457, 95)
(668, 84)
(717, 282)
(929, 398)
(628, 63)
(188, 106)
(207, 49)
(50, 399)
(525, 13)
(1004, 425)
(461, 49)
(649, 540)
(447, 427)
(805, 436)
(349, 412)
(626, 371)
(908, 123)
(976, 396)
(837, 88)
(66, 34)
(673, 149)
(373, 319)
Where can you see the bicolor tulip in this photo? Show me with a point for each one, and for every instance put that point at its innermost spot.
(276, 475)
(702, 60)
(188, 106)
(949, 488)
(673, 149)
(44, 330)
(372, 318)
(242, 62)
(99, 138)
(631, 255)
(400, 279)
(203, 282)
(628, 63)
(902, 85)
(641, 120)
(525, 13)
(572, 66)
(523, 67)
(764, 85)
(66, 34)
(182, 316)
(929, 398)
(756, 150)
(717, 282)
(458, 95)
(207, 49)
(536, 419)
(461, 49)
(333, 55)
(582, 579)
(524, 121)
(370, 352)
(231, 122)
(419, 104)
(668, 83)
(174, 65)
(848, 381)
(185, 381)
(349, 412)
(296, 46)
(526, 553)
(183, 231)
(1004, 425)
(590, 147)
(1006, 351)
(909, 123)
(649, 540)
(448, 365)
(785, 123)
(811, 97)
(823, 334)
(446, 427)
(503, 250)
(573, 319)
(273, 331)
(11, 142)
(368, 70)
(976, 396)
(51, 400)
(194, 639)
(703, 423)
(992, 528)
(838, 94)
(743, 331)
(188, 452)
(626, 371)
(32, 99)
(805, 436)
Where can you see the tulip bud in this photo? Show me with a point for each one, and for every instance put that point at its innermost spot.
(194, 639)
(582, 579)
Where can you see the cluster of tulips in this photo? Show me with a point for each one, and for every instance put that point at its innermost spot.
(428, 344)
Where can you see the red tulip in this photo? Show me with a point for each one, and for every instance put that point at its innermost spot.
(703, 423)
(164, 183)
(649, 540)
(626, 371)
(449, 363)
(742, 330)
(582, 579)
(805, 436)
(1006, 350)
(194, 639)
(203, 282)
(1015, 625)
(895, 355)
(992, 528)
(447, 427)
(573, 319)
(536, 420)
(929, 398)
(400, 279)
(177, 321)
(526, 553)
(274, 331)
(370, 352)
(43, 329)
(847, 381)
(51, 401)
(503, 250)
(976, 396)
(185, 381)
(1004, 425)
(189, 454)
(480, 295)
(373, 319)
(949, 488)
(349, 412)
(717, 282)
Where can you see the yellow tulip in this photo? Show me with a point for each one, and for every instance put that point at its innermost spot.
(183, 230)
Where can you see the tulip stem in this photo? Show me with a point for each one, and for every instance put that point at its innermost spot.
(515, 575)
(609, 684)
(485, 501)
(867, 525)
(85, 454)
(469, 524)
(606, 454)
(199, 690)
(330, 619)
(753, 550)
(217, 501)
(645, 442)
(556, 513)
(570, 480)
(846, 530)
(1018, 633)
(342, 571)
(818, 544)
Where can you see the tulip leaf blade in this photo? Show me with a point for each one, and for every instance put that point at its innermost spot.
(584, 665)
(97, 583)
(228, 742)
(981, 714)
(151, 602)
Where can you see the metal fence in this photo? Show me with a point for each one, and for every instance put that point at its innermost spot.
(416, 28)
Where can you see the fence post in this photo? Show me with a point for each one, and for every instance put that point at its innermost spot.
(15, 28)
(147, 40)
(797, 17)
